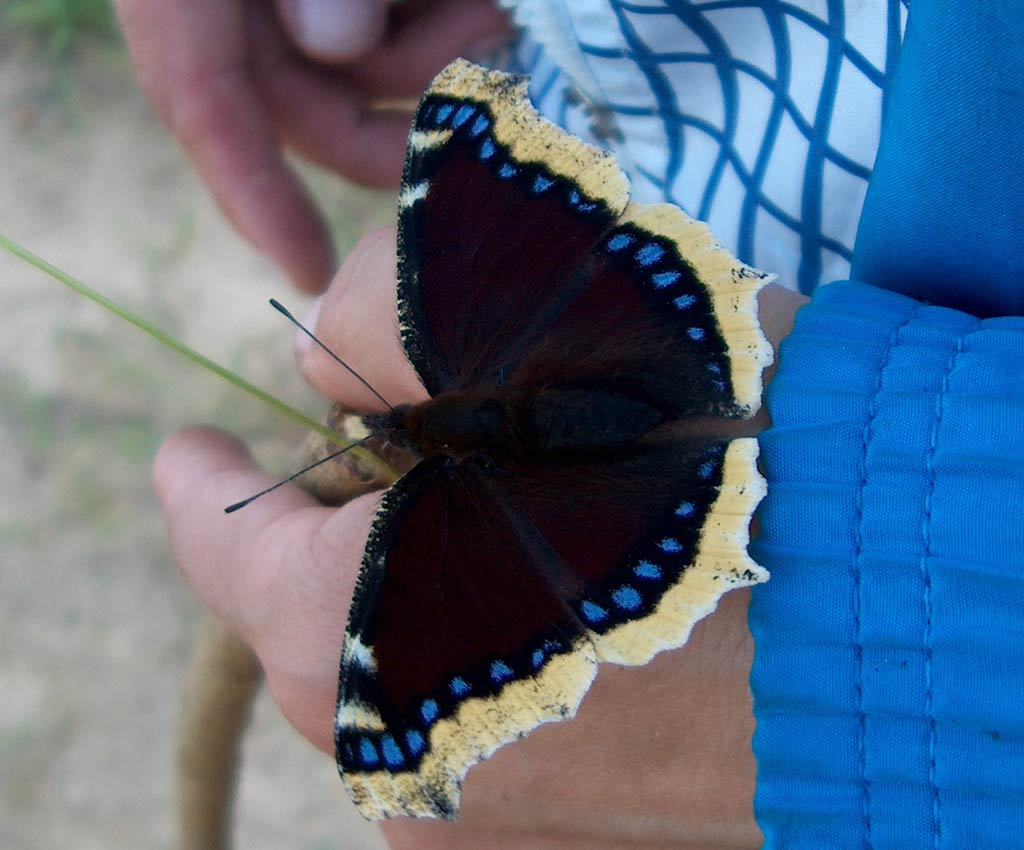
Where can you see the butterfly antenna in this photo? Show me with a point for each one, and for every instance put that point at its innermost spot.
(277, 305)
(230, 509)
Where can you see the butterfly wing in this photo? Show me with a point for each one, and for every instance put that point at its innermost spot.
(667, 316)
(487, 597)
(488, 593)
(457, 643)
(651, 540)
(530, 240)
(484, 169)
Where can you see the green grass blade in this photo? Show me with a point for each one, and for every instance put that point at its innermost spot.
(191, 354)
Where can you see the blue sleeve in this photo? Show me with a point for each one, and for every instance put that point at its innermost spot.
(889, 668)
(944, 214)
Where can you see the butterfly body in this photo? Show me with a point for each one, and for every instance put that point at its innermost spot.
(517, 427)
(577, 497)
(456, 426)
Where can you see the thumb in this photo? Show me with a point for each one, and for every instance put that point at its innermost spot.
(334, 30)
(280, 573)
(198, 472)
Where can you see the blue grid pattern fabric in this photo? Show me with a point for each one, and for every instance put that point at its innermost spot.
(761, 117)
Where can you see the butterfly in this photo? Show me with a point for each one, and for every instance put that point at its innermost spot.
(575, 499)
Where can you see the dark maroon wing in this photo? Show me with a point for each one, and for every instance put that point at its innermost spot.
(652, 539)
(498, 210)
(488, 594)
(458, 642)
(667, 317)
(518, 256)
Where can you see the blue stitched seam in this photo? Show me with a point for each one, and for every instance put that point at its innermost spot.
(926, 579)
(866, 438)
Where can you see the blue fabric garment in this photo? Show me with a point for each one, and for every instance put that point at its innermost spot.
(944, 216)
(889, 672)
(889, 669)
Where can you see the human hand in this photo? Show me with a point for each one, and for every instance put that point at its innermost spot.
(237, 80)
(657, 756)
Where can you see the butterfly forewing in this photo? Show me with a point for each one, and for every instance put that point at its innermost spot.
(499, 208)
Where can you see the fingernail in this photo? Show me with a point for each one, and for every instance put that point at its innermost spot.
(302, 340)
(339, 29)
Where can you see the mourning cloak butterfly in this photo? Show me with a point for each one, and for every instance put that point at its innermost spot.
(575, 502)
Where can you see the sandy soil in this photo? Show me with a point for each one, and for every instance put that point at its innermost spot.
(95, 625)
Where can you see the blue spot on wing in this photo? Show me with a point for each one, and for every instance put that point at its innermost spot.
(685, 510)
(650, 254)
(684, 301)
(462, 115)
(429, 711)
(696, 334)
(393, 755)
(459, 687)
(670, 544)
(663, 279)
(627, 598)
(415, 742)
(707, 469)
(542, 184)
(647, 570)
(482, 123)
(592, 612)
(537, 659)
(368, 752)
(620, 241)
(500, 672)
(443, 113)
(507, 171)
(487, 149)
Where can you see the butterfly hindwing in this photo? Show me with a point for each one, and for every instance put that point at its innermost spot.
(653, 539)
(456, 645)
(666, 316)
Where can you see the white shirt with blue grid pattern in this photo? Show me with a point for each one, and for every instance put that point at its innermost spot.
(761, 117)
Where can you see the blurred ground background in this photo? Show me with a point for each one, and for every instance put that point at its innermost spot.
(95, 625)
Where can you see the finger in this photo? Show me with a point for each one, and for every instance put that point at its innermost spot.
(358, 320)
(197, 473)
(334, 30)
(227, 133)
(423, 39)
(299, 639)
(320, 114)
(191, 58)
(322, 117)
(330, 117)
